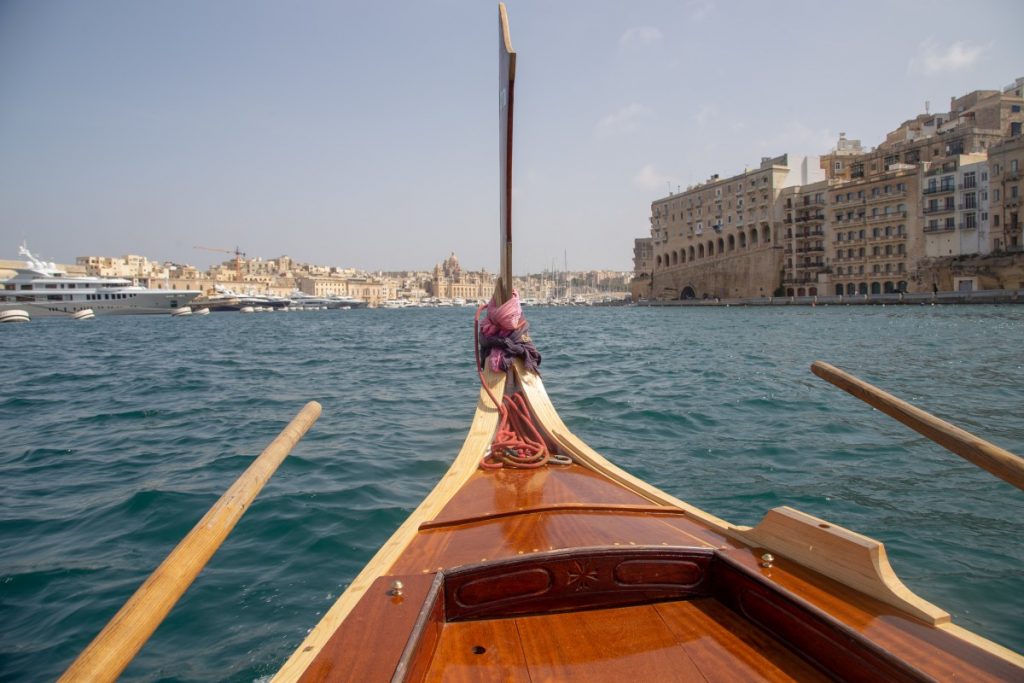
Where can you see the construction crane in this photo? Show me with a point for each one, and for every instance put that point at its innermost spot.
(239, 255)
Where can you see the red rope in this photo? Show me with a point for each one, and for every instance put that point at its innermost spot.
(517, 442)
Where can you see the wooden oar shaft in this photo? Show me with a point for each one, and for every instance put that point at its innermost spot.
(119, 641)
(988, 456)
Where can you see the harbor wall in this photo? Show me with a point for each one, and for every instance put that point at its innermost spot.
(748, 274)
(991, 296)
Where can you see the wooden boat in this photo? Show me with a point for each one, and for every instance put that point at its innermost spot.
(580, 571)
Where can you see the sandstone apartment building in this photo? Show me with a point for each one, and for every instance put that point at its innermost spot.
(719, 238)
(940, 186)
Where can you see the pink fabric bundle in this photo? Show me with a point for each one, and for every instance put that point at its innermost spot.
(501, 321)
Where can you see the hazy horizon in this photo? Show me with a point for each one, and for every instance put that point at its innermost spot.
(362, 135)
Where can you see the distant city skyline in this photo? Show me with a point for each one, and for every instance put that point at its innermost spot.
(362, 135)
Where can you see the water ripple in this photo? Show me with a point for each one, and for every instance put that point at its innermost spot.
(111, 457)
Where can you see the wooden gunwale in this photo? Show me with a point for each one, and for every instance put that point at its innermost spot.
(481, 430)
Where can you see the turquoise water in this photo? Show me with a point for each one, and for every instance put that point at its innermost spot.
(119, 433)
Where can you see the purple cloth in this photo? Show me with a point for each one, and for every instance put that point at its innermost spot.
(516, 345)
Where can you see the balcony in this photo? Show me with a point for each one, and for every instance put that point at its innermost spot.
(811, 202)
(948, 208)
(964, 226)
(892, 215)
(942, 189)
(939, 228)
(883, 197)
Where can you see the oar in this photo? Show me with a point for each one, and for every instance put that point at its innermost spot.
(988, 456)
(119, 641)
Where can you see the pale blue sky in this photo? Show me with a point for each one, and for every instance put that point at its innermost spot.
(364, 133)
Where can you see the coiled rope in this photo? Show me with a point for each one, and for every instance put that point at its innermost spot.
(517, 442)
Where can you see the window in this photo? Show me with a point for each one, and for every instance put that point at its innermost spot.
(970, 221)
(970, 200)
(838, 166)
(969, 180)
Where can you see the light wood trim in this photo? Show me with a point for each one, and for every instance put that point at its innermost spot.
(119, 641)
(991, 458)
(985, 644)
(870, 572)
(581, 453)
(481, 432)
(846, 556)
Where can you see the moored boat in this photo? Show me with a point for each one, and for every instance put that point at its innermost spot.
(14, 315)
(45, 290)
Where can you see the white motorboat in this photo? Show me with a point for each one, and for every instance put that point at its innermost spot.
(14, 315)
(42, 289)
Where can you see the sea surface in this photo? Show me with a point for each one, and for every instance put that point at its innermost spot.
(117, 434)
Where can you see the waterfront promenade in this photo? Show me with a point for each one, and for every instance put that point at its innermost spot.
(988, 296)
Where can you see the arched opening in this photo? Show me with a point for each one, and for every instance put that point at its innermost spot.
(813, 291)
(789, 291)
(732, 242)
(839, 289)
(691, 253)
(851, 288)
(901, 286)
(682, 256)
(753, 237)
(675, 258)
(743, 240)
(711, 247)
(862, 288)
(687, 293)
(721, 246)
(700, 251)
(876, 288)
(767, 234)
(801, 292)
(657, 260)
(888, 288)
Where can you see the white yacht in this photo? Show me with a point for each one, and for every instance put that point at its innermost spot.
(42, 289)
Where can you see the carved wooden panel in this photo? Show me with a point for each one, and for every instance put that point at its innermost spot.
(575, 579)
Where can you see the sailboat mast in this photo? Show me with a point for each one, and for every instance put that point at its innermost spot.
(506, 86)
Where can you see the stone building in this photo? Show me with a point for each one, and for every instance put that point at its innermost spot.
(803, 237)
(1005, 163)
(874, 232)
(322, 286)
(450, 282)
(974, 123)
(643, 252)
(955, 206)
(717, 239)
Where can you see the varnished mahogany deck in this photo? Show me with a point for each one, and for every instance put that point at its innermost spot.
(534, 567)
(697, 640)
